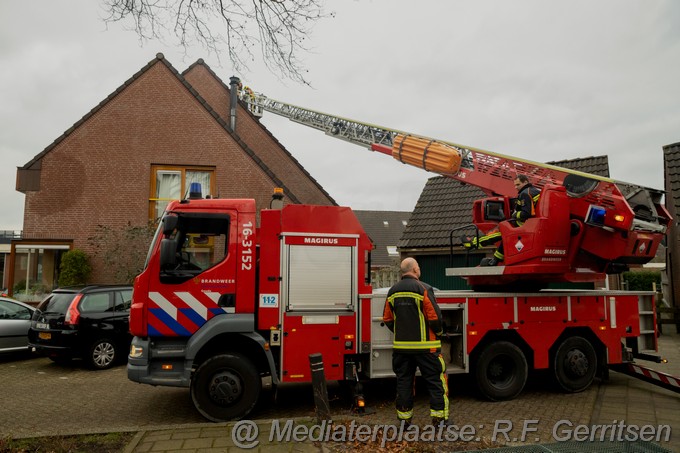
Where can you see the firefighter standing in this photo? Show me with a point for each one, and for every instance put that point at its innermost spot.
(412, 313)
(525, 204)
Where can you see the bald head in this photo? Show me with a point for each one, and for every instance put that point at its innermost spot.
(409, 266)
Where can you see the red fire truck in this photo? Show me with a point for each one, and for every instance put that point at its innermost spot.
(224, 302)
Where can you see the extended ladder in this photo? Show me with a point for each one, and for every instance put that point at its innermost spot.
(352, 131)
(492, 172)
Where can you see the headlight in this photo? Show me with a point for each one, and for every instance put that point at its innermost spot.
(136, 351)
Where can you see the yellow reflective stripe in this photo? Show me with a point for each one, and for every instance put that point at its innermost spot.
(499, 255)
(404, 415)
(445, 384)
(417, 344)
(534, 201)
(438, 414)
(494, 235)
(421, 321)
(416, 296)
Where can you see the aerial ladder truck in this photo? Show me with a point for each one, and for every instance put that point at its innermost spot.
(611, 224)
(225, 303)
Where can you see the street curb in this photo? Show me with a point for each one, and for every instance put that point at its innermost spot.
(130, 447)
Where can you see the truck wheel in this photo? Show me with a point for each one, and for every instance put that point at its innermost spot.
(575, 364)
(501, 371)
(226, 387)
(102, 354)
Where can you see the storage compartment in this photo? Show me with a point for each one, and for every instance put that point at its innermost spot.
(381, 344)
(646, 342)
(453, 340)
(313, 271)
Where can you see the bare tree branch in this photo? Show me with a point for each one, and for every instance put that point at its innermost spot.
(278, 28)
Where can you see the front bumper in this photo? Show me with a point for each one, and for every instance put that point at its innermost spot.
(158, 367)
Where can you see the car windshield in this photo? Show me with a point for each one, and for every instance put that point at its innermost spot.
(57, 303)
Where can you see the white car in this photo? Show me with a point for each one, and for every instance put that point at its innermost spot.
(15, 319)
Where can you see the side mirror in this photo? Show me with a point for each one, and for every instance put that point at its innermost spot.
(168, 253)
(169, 224)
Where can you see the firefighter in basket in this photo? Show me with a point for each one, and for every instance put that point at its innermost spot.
(525, 207)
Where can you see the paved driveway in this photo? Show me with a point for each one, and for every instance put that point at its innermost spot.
(40, 398)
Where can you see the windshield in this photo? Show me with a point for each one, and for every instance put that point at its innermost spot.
(199, 242)
(153, 242)
(57, 303)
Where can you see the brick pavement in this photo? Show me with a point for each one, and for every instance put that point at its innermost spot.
(620, 398)
(640, 403)
(48, 399)
(41, 398)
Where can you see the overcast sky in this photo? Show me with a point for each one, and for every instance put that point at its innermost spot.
(537, 79)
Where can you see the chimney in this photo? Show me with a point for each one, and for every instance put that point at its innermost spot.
(234, 83)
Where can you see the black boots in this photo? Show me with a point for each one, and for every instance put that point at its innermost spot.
(493, 261)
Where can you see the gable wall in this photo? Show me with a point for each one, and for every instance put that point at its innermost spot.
(255, 135)
(100, 172)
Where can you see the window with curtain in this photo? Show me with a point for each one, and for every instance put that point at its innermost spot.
(173, 183)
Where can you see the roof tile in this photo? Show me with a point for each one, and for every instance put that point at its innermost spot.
(671, 161)
(384, 228)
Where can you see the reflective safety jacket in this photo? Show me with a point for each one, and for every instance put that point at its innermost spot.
(525, 205)
(412, 313)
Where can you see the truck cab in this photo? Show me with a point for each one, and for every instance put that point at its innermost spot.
(222, 305)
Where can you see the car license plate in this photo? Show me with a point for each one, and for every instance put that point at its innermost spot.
(44, 335)
(41, 325)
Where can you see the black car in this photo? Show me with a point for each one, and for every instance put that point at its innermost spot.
(90, 322)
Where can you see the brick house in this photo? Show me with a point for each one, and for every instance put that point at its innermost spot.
(117, 167)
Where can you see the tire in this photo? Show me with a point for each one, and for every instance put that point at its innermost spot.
(501, 371)
(575, 364)
(102, 354)
(226, 387)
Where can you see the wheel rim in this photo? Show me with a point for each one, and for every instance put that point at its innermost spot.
(103, 354)
(576, 363)
(225, 387)
(501, 371)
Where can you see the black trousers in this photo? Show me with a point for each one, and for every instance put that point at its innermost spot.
(433, 371)
(501, 255)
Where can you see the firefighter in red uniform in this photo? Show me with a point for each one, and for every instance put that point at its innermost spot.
(412, 313)
(525, 204)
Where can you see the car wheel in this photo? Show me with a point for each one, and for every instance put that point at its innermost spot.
(103, 354)
(501, 371)
(226, 387)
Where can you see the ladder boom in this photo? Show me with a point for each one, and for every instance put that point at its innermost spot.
(492, 172)
(362, 134)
